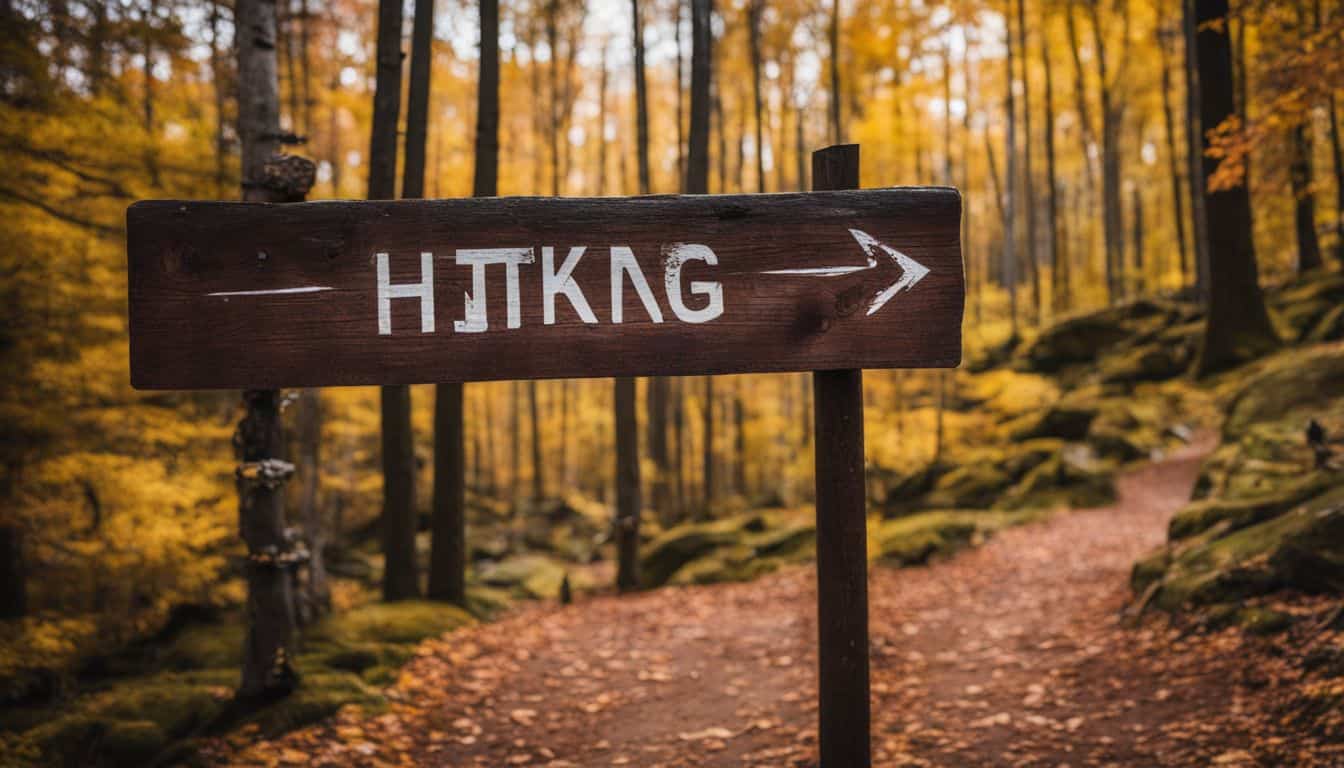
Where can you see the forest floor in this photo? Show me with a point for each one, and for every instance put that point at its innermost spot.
(1015, 653)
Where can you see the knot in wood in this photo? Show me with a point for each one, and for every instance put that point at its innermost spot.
(289, 176)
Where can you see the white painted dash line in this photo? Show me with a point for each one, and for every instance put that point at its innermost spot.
(272, 291)
(820, 271)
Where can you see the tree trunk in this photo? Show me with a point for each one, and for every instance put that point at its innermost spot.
(1140, 265)
(739, 441)
(399, 519)
(1238, 326)
(601, 142)
(272, 619)
(271, 616)
(657, 395)
(14, 584)
(833, 37)
(534, 418)
(707, 445)
(448, 528)
(552, 72)
(1173, 160)
(1112, 219)
(627, 486)
(1304, 199)
(217, 83)
(1194, 137)
(1336, 152)
(1028, 178)
(417, 100)
(484, 183)
(697, 159)
(678, 415)
(317, 594)
(1059, 267)
(641, 101)
(1300, 174)
(681, 88)
(1010, 183)
(515, 445)
(754, 9)
(1087, 140)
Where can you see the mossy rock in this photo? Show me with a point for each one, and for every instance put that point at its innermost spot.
(320, 696)
(1329, 328)
(1072, 478)
(787, 542)
(1292, 382)
(404, 621)
(1301, 549)
(724, 566)
(1259, 620)
(133, 721)
(206, 645)
(969, 486)
(1153, 362)
(1233, 514)
(915, 539)
(897, 492)
(680, 545)
(530, 576)
(1065, 420)
(1081, 339)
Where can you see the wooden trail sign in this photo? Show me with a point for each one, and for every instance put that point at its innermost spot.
(251, 295)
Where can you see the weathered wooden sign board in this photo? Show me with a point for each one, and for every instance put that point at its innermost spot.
(250, 295)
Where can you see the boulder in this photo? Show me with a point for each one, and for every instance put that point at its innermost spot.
(969, 486)
(680, 545)
(1301, 549)
(1292, 383)
(1233, 514)
(914, 540)
(1152, 362)
(1065, 420)
(1081, 339)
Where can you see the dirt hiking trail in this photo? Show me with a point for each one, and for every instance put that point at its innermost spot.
(1011, 654)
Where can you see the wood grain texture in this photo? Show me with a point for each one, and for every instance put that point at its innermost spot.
(844, 704)
(179, 252)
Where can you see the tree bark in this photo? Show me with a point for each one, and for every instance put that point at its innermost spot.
(1028, 178)
(317, 592)
(486, 176)
(14, 585)
(754, 9)
(534, 418)
(1238, 326)
(1010, 182)
(448, 527)
(641, 101)
(833, 38)
(1300, 175)
(1059, 267)
(1194, 137)
(627, 486)
(271, 615)
(1336, 156)
(1112, 214)
(707, 445)
(739, 441)
(398, 520)
(272, 619)
(697, 158)
(1173, 159)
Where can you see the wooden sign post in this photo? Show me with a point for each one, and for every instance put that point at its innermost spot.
(259, 296)
(844, 708)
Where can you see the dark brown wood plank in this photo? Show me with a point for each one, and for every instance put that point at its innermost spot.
(844, 708)
(196, 322)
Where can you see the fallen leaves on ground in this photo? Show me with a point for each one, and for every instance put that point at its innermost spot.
(1013, 654)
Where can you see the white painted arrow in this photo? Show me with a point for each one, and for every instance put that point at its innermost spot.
(911, 271)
